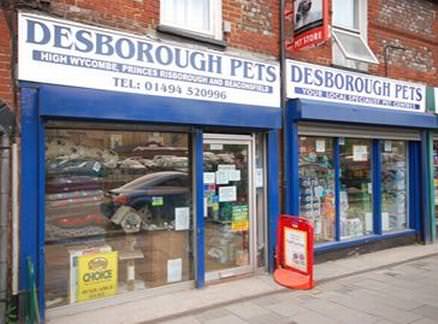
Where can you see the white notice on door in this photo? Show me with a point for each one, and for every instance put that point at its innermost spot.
(174, 270)
(228, 193)
(259, 178)
(216, 147)
(388, 146)
(222, 177)
(320, 146)
(182, 217)
(234, 175)
(209, 177)
(226, 167)
(360, 153)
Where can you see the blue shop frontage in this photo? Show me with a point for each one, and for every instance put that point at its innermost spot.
(356, 158)
(145, 164)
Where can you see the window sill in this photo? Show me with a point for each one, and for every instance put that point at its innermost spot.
(350, 69)
(336, 245)
(173, 31)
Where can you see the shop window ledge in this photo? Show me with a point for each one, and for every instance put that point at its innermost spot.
(331, 246)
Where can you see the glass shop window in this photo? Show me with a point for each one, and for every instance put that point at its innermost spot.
(118, 212)
(356, 211)
(317, 185)
(394, 185)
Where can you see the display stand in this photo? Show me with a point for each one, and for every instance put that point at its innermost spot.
(130, 254)
(294, 257)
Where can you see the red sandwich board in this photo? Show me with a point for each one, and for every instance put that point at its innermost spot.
(294, 257)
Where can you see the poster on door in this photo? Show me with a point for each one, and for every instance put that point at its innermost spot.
(295, 248)
(239, 219)
(97, 276)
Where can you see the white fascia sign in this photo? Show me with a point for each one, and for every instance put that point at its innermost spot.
(316, 82)
(62, 52)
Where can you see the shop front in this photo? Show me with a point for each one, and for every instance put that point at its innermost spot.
(146, 165)
(355, 156)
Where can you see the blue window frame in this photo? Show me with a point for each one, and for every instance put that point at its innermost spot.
(41, 102)
(307, 110)
(376, 178)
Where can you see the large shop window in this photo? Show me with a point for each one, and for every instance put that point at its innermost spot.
(118, 212)
(337, 178)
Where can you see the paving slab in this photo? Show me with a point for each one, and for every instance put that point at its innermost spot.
(343, 277)
(427, 311)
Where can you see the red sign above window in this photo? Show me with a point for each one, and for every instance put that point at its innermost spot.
(310, 23)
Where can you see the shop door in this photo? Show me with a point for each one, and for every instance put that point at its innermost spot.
(229, 211)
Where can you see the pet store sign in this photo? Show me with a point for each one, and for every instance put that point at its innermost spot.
(309, 81)
(97, 276)
(310, 23)
(62, 52)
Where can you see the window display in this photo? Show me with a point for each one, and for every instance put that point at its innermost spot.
(356, 212)
(319, 158)
(317, 185)
(118, 212)
(394, 185)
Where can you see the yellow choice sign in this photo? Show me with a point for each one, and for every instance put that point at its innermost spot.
(97, 276)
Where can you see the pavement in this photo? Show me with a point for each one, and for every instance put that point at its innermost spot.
(398, 285)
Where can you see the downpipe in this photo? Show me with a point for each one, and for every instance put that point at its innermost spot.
(4, 212)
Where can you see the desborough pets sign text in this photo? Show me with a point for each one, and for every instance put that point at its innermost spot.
(62, 52)
(309, 81)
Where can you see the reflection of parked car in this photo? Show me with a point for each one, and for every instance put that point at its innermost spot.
(153, 197)
(76, 167)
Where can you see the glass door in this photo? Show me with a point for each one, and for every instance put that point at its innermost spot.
(229, 210)
(356, 211)
(317, 185)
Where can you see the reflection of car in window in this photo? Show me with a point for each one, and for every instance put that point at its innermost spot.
(151, 200)
(76, 167)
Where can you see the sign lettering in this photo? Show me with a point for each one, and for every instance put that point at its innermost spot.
(62, 52)
(310, 81)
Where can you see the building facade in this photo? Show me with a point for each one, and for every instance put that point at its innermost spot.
(363, 202)
(158, 143)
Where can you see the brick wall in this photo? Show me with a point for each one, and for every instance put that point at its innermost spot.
(411, 24)
(6, 89)
(254, 23)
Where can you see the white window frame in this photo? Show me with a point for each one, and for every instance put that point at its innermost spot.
(215, 21)
(347, 60)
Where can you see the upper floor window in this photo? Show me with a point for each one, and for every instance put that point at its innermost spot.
(350, 34)
(202, 17)
(346, 14)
